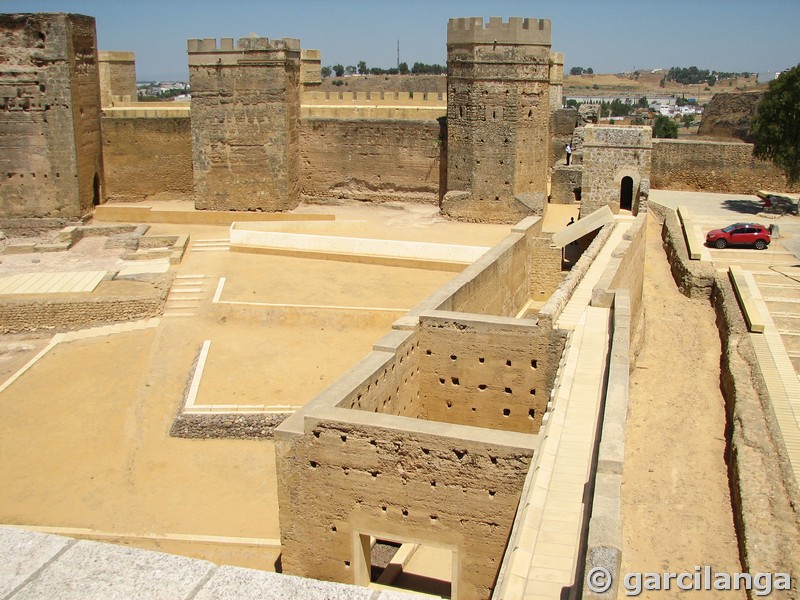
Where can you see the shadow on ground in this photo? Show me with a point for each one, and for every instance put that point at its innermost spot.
(749, 207)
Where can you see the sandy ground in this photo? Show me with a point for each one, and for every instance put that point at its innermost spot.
(676, 504)
(84, 434)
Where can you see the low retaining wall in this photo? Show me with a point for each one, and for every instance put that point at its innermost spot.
(36, 313)
(763, 490)
(695, 279)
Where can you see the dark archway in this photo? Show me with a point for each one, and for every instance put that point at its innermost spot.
(626, 193)
(96, 190)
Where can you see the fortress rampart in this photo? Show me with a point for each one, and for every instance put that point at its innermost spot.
(517, 30)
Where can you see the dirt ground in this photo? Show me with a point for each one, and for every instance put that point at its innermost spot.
(676, 505)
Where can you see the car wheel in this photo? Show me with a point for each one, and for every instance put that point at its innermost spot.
(760, 245)
(720, 244)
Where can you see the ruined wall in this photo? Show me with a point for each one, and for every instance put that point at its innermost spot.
(486, 371)
(397, 479)
(609, 155)
(546, 273)
(498, 117)
(730, 115)
(566, 184)
(34, 313)
(370, 159)
(51, 160)
(724, 167)
(245, 123)
(147, 156)
(117, 71)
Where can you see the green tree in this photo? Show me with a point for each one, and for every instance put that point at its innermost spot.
(326, 71)
(403, 68)
(664, 127)
(350, 70)
(362, 68)
(687, 120)
(776, 127)
(643, 102)
(339, 70)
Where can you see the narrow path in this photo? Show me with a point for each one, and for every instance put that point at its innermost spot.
(676, 509)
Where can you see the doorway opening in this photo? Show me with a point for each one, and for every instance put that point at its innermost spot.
(626, 193)
(96, 190)
(408, 566)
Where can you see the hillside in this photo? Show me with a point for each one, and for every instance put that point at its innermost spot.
(646, 82)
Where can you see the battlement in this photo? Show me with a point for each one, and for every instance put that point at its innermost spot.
(517, 30)
(208, 52)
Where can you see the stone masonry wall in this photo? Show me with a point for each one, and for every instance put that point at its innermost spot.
(49, 115)
(498, 116)
(370, 159)
(31, 313)
(245, 123)
(147, 156)
(86, 111)
(724, 167)
(486, 371)
(398, 484)
(611, 154)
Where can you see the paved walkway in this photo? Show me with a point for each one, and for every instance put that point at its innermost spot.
(51, 283)
(583, 293)
(547, 541)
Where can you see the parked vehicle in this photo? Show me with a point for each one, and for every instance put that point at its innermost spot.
(740, 234)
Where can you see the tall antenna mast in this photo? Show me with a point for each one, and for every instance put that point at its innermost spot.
(398, 56)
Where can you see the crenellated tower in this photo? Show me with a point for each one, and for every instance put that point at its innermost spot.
(245, 123)
(498, 110)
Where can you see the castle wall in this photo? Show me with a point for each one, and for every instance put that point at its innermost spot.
(498, 116)
(117, 71)
(370, 159)
(726, 167)
(245, 123)
(147, 156)
(49, 116)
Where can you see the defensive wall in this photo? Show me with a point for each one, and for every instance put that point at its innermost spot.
(147, 150)
(727, 167)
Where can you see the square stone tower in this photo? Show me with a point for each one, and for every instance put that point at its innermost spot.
(245, 123)
(616, 168)
(117, 77)
(498, 114)
(51, 161)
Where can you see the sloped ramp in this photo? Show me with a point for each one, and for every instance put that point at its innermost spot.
(583, 226)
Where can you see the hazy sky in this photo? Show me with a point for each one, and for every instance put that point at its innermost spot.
(608, 35)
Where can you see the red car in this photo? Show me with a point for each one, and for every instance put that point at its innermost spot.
(740, 234)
